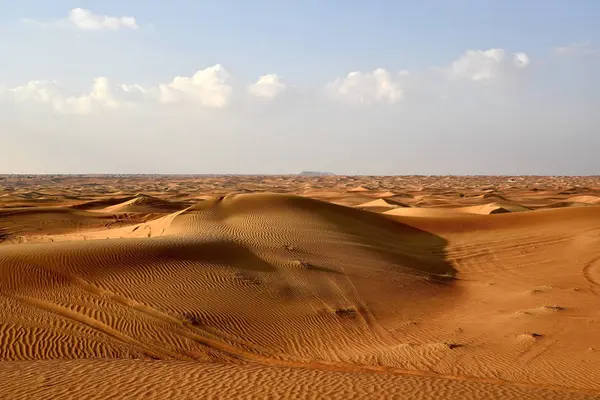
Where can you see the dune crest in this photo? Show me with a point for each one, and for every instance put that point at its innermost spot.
(385, 203)
(143, 203)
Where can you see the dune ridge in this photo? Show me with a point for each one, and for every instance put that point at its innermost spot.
(221, 238)
(141, 203)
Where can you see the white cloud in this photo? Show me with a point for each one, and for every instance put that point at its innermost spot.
(48, 92)
(212, 88)
(378, 86)
(88, 21)
(133, 88)
(485, 65)
(209, 87)
(39, 91)
(267, 86)
(136, 94)
(575, 49)
(520, 60)
(101, 96)
(478, 65)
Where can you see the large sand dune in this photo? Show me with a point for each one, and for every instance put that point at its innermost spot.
(280, 295)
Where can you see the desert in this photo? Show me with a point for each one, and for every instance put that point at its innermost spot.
(299, 286)
(228, 199)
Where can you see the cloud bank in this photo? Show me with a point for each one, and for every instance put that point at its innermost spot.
(86, 20)
(486, 65)
(209, 87)
(102, 96)
(213, 88)
(379, 86)
(268, 86)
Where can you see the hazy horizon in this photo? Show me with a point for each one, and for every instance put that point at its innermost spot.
(352, 88)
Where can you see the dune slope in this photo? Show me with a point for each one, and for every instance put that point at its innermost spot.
(242, 267)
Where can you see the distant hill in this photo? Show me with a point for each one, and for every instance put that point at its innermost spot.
(316, 173)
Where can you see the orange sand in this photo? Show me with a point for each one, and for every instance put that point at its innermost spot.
(336, 287)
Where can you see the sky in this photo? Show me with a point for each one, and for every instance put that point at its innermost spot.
(275, 87)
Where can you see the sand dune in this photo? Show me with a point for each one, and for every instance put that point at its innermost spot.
(102, 204)
(585, 199)
(385, 194)
(142, 203)
(493, 196)
(274, 295)
(490, 208)
(231, 246)
(359, 189)
(386, 203)
(18, 224)
(562, 204)
(494, 208)
(380, 205)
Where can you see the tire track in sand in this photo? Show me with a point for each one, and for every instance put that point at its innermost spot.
(97, 325)
(591, 273)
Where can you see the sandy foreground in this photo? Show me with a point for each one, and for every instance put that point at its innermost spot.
(185, 287)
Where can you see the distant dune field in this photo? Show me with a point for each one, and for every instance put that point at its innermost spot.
(300, 287)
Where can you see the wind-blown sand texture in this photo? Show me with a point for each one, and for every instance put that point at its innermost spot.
(299, 287)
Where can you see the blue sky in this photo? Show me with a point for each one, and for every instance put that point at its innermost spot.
(442, 87)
